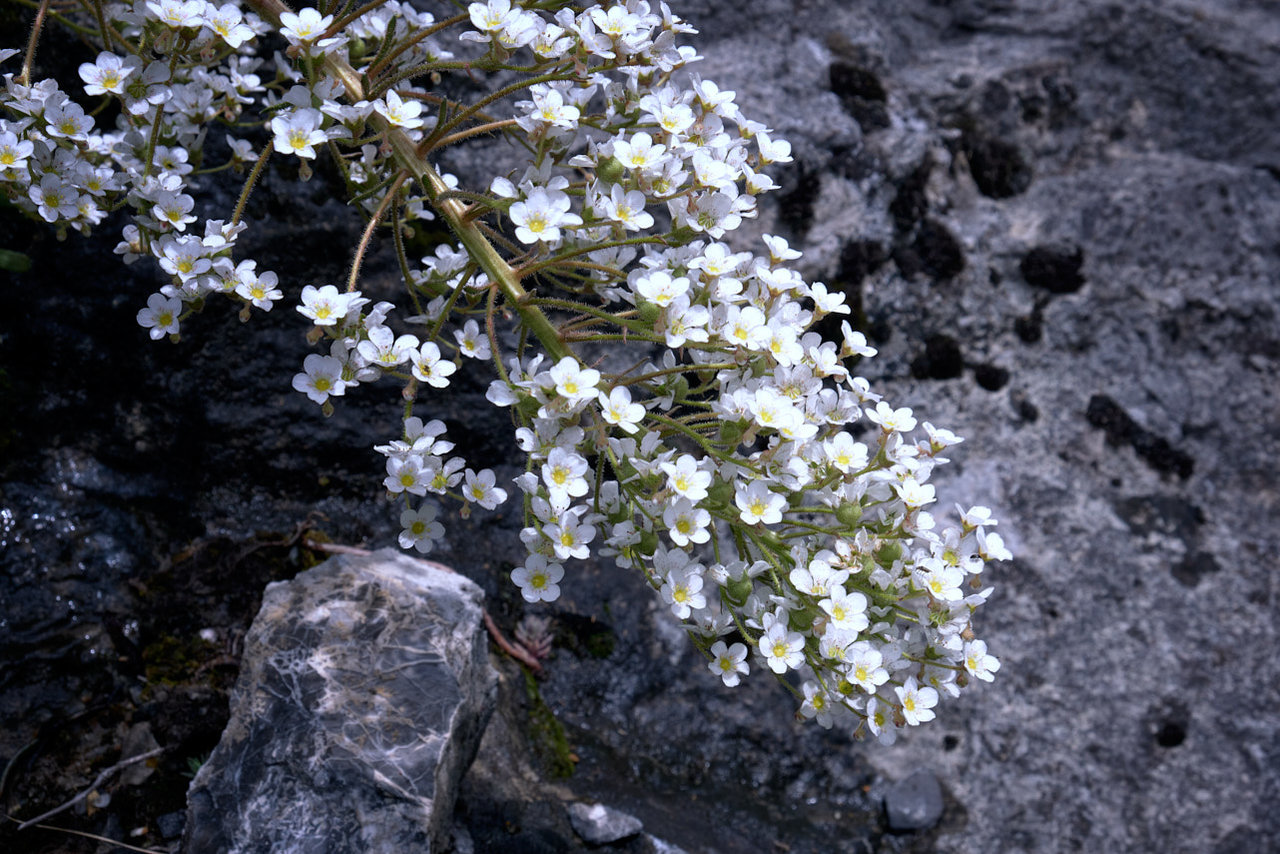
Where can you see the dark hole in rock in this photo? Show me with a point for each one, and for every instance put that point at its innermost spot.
(941, 360)
(859, 259)
(999, 168)
(939, 251)
(1026, 410)
(1054, 267)
(1029, 329)
(795, 204)
(1171, 734)
(950, 742)
(991, 377)
(1193, 568)
(1156, 451)
(910, 203)
(995, 98)
(861, 94)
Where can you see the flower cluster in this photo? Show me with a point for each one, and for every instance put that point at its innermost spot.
(775, 503)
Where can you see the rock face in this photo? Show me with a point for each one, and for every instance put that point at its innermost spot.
(363, 694)
(1057, 220)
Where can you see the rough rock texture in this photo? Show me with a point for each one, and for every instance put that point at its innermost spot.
(1058, 220)
(364, 690)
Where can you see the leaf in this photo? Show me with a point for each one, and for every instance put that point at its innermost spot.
(14, 262)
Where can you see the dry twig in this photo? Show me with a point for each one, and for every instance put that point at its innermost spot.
(101, 778)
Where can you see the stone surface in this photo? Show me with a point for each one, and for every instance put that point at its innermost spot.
(914, 803)
(364, 692)
(600, 825)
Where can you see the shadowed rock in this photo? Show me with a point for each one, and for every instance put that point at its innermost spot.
(364, 692)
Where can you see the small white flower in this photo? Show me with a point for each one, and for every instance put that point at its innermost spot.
(782, 649)
(107, 74)
(480, 489)
(616, 408)
(398, 112)
(430, 367)
(758, 505)
(538, 579)
(298, 132)
(729, 662)
(917, 703)
(421, 530)
(321, 376)
(978, 662)
(160, 316)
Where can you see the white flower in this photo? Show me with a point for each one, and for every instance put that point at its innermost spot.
(729, 662)
(14, 151)
(564, 473)
(683, 592)
(864, 667)
(541, 215)
(782, 649)
(398, 112)
(298, 131)
(421, 530)
(260, 289)
(757, 505)
(848, 611)
(228, 22)
(978, 663)
(160, 316)
(480, 489)
(817, 705)
(574, 382)
(430, 367)
(617, 408)
(917, 703)
(471, 343)
(686, 522)
(176, 13)
(305, 26)
(106, 74)
(570, 539)
(538, 579)
(321, 376)
(915, 494)
(325, 306)
(686, 479)
(385, 350)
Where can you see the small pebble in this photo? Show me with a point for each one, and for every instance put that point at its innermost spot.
(914, 803)
(600, 825)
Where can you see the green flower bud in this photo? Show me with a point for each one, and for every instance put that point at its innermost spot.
(887, 554)
(648, 543)
(738, 590)
(731, 432)
(611, 170)
(648, 311)
(849, 514)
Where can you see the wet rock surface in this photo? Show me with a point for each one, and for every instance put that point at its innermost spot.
(1120, 417)
(364, 689)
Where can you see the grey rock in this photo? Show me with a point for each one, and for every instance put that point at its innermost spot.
(363, 694)
(599, 824)
(914, 803)
(171, 824)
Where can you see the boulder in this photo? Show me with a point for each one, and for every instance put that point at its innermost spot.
(363, 693)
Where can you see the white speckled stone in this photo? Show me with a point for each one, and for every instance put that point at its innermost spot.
(363, 693)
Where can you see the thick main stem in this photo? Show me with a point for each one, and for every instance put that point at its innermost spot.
(453, 211)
